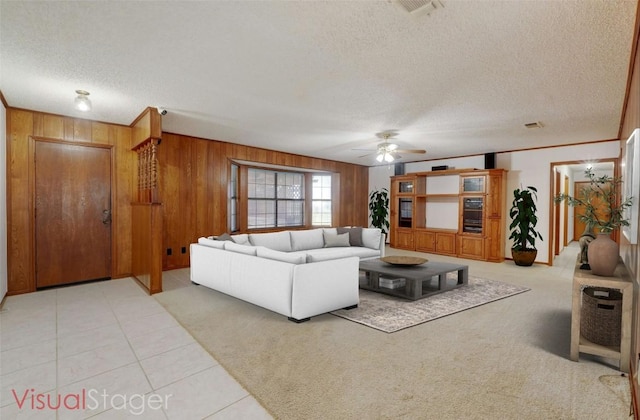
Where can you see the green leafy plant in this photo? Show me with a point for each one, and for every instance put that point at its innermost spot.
(379, 209)
(600, 202)
(524, 219)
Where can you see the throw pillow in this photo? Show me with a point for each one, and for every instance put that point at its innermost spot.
(331, 241)
(224, 237)
(355, 235)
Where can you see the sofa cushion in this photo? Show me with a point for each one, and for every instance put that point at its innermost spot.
(280, 241)
(302, 240)
(355, 235)
(241, 238)
(242, 249)
(331, 241)
(325, 254)
(288, 257)
(210, 242)
(363, 252)
(371, 238)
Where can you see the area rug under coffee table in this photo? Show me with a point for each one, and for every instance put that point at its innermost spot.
(391, 314)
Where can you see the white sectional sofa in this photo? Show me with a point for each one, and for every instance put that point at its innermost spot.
(297, 273)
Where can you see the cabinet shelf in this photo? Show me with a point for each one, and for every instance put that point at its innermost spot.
(621, 281)
(436, 196)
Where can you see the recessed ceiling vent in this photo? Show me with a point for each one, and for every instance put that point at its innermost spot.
(536, 124)
(420, 6)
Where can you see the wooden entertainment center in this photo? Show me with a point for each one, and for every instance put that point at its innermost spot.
(450, 212)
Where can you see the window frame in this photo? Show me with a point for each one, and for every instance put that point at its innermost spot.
(242, 211)
(321, 200)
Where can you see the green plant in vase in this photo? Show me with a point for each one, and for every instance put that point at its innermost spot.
(523, 223)
(599, 200)
(379, 209)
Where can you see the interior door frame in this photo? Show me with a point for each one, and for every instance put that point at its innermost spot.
(565, 212)
(556, 215)
(552, 221)
(32, 197)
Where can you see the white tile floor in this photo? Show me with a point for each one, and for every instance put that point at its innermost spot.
(118, 346)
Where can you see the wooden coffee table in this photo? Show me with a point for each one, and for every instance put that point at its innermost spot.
(420, 281)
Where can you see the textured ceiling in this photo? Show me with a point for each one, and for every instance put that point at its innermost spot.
(322, 78)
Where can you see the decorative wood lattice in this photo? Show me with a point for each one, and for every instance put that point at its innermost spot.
(148, 171)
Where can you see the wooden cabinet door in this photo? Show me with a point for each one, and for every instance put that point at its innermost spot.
(425, 241)
(404, 240)
(495, 196)
(495, 240)
(471, 247)
(73, 213)
(446, 243)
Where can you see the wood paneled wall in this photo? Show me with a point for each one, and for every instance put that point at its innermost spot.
(194, 183)
(23, 124)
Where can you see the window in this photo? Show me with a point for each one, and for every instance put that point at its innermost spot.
(321, 200)
(232, 211)
(275, 199)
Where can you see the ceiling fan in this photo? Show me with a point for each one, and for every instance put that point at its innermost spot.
(387, 151)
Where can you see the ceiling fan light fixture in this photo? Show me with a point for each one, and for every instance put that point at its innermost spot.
(82, 102)
(388, 157)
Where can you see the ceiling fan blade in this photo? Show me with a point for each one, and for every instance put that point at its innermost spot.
(368, 154)
(417, 151)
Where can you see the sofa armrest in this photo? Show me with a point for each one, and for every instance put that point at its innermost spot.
(324, 286)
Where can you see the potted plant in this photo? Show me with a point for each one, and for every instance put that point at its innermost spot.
(379, 209)
(602, 211)
(523, 223)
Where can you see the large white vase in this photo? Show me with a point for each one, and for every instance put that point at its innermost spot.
(603, 255)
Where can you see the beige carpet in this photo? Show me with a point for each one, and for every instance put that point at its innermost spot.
(390, 314)
(506, 360)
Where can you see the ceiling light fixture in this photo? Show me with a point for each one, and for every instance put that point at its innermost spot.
(82, 101)
(386, 150)
(385, 155)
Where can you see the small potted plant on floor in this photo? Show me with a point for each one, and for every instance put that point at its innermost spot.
(379, 209)
(523, 223)
(602, 212)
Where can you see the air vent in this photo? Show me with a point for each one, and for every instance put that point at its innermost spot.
(420, 6)
(536, 124)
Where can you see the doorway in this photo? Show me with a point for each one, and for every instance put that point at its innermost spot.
(573, 173)
(72, 208)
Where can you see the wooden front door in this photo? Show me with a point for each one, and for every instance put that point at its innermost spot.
(72, 213)
(578, 225)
